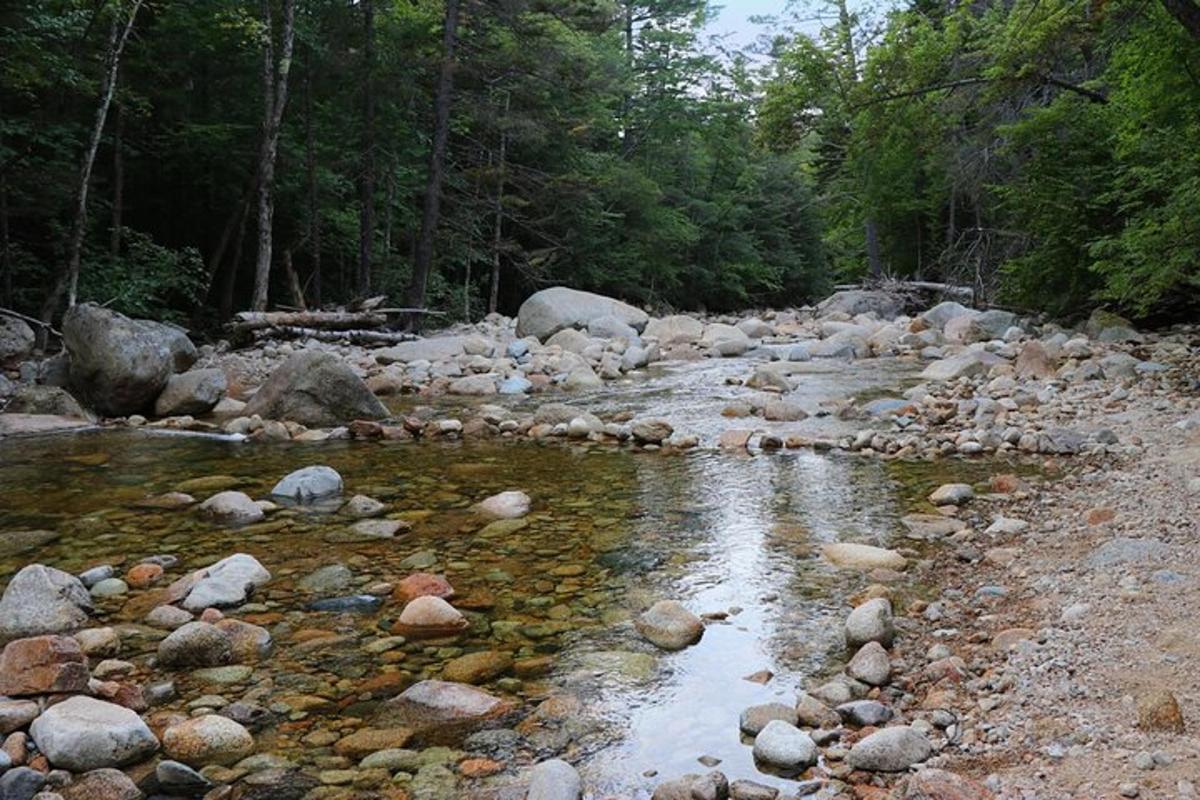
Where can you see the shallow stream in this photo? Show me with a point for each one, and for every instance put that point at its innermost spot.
(611, 531)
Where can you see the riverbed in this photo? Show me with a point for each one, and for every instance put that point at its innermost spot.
(735, 536)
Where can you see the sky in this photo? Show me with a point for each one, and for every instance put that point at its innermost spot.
(735, 19)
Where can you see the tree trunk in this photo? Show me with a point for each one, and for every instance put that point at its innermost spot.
(275, 89)
(498, 210)
(230, 282)
(874, 261)
(118, 167)
(5, 253)
(366, 185)
(69, 278)
(1187, 14)
(437, 160)
(310, 166)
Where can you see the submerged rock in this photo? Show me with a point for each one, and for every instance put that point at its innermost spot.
(442, 712)
(209, 739)
(309, 484)
(195, 644)
(82, 734)
(670, 626)
(430, 617)
(231, 508)
(506, 505)
(41, 599)
(713, 786)
(227, 583)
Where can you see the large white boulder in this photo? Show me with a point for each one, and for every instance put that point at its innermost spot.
(551, 310)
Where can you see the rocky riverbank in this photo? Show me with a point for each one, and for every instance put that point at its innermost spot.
(1028, 640)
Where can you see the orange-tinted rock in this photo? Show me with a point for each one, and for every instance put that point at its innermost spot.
(440, 712)
(43, 665)
(936, 784)
(422, 584)
(480, 767)
(101, 784)
(1099, 516)
(1158, 710)
(143, 575)
(1005, 484)
(371, 740)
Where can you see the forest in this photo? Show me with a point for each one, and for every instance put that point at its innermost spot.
(187, 159)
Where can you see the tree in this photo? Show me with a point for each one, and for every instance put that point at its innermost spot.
(275, 93)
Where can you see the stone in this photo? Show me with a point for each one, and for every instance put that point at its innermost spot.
(143, 576)
(196, 644)
(168, 617)
(209, 739)
(678, 329)
(871, 622)
(1158, 710)
(554, 780)
(863, 713)
(936, 784)
(965, 365)
(176, 778)
(755, 718)
(43, 665)
(749, 790)
(109, 587)
(231, 508)
(422, 584)
(570, 340)
(327, 580)
(890, 750)
(713, 786)
(812, 713)
(360, 507)
(1035, 363)
(52, 400)
(430, 617)
(727, 339)
(478, 667)
(474, 386)
(366, 741)
(853, 302)
(651, 430)
(101, 784)
(17, 340)
(183, 352)
(785, 747)
(315, 389)
(863, 557)
(22, 783)
(437, 348)
(942, 313)
(82, 734)
(549, 311)
(227, 583)
(870, 665)
(195, 392)
(506, 505)
(952, 494)
(441, 712)
(309, 484)
(118, 365)
(40, 600)
(16, 714)
(667, 624)
(1125, 550)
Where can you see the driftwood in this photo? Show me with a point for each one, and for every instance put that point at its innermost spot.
(320, 320)
(365, 337)
(37, 323)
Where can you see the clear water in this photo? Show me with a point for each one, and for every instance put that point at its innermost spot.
(611, 531)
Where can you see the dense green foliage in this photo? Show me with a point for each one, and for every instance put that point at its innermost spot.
(1047, 151)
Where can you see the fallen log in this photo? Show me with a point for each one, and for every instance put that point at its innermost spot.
(247, 321)
(365, 337)
(913, 287)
